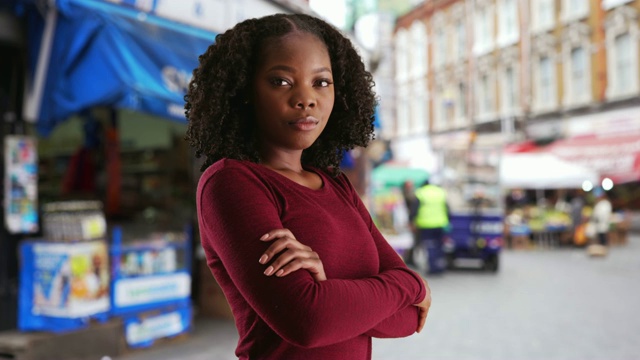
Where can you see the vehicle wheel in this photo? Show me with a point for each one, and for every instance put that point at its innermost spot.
(492, 263)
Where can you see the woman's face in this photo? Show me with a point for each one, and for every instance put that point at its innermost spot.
(293, 92)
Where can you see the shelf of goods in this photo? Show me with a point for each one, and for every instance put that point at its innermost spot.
(64, 276)
(74, 276)
(151, 285)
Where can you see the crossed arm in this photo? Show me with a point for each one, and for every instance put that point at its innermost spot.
(301, 308)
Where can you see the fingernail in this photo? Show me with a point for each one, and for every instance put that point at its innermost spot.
(280, 272)
(264, 237)
(263, 259)
(268, 271)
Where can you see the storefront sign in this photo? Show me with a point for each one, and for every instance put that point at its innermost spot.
(151, 289)
(62, 285)
(607, 123)
(141, 332)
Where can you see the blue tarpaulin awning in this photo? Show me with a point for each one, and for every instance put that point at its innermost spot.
(87, 53)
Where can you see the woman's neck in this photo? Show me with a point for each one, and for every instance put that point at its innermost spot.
(290, 165)
(283, 161)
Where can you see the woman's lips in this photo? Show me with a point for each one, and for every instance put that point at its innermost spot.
(305, 124)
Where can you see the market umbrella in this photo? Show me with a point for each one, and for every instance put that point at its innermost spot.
(390, 176)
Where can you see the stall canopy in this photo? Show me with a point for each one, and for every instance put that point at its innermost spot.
(385, 176)
(87, 53)
(542, 171)
(568, 162)
(615, 157)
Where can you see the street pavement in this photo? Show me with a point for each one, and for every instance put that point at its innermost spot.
(542, 304)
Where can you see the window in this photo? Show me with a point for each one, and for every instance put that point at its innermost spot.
(403, 110)
(486, 104)
(579, 74)
(545, 80)
(624, 64)
(440, 51)
(419, 107)
(574, 9)
(546, 89)
(461, 40)
(509, 31)
(621, 37)
(543, 14)
(484, 30)
(509, 90)
(402, 56)
(461, 102)
(547, 13)
(419, 49)
(439, 109)
(610, 4)
(485, 95)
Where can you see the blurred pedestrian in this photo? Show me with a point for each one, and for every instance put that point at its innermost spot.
(307, 274)
(576, 208)
(431, 220)
(601, 215)
(411, 204)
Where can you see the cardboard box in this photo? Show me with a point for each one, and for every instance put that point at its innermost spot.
(597, 250)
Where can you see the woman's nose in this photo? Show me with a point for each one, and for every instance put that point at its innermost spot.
(304, 100)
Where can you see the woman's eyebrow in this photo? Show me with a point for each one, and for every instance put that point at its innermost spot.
(293, 71)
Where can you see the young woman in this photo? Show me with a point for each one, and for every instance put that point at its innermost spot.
(272, 106)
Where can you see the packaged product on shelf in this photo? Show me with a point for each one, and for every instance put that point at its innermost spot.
(74, 221)
(150, 270)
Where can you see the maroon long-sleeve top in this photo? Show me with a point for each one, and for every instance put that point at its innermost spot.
(369, 291)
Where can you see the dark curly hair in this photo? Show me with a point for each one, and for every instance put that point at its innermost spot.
(220, 122)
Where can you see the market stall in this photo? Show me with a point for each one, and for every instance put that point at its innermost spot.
(94, 65)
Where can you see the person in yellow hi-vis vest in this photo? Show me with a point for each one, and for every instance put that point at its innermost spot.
(431, 218)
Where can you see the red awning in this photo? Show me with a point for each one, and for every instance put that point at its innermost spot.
(617, 158)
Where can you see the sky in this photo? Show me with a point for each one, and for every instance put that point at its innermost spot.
(334, 11)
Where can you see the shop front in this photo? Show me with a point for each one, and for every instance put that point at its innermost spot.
(558, 170)
(105, 97)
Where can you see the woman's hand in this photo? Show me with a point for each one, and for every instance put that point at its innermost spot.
(424, 306)
(297, 256)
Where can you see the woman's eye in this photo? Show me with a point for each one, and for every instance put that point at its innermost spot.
(323, 82)
(279, 82)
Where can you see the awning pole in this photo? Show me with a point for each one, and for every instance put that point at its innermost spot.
(33, 94)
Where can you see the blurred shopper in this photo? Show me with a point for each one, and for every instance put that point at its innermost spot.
(431, 220)
(601, 215)
(576, 209)
(411, 204)
(306, 272)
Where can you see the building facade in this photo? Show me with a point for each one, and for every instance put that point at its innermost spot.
(477, 75)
